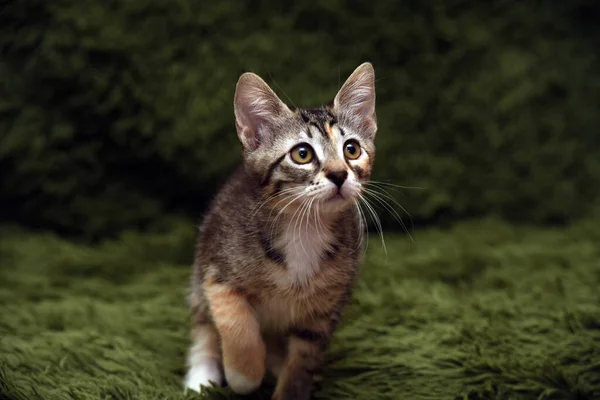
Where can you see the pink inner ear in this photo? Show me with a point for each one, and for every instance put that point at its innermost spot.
(256, 108)
(248, 119)
(355, 102)
(370, 126)
(357, 106)
(250, 139)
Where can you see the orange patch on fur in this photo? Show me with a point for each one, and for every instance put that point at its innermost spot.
(332, 134)
(329, 129)
(231, 311)
(247, 359)
(243, 348)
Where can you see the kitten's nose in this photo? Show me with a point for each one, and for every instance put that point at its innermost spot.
(337, 177)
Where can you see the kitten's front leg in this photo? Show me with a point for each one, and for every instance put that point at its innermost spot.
(306, 348)
(276, 353)
(244, 351)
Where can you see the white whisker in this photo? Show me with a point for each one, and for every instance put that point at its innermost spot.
(318, 223)
(381, 200)
(261, 203)
(393, 200)
(393, 185)
(294, 223)
(362, 227)
(301, 222)
(375, 220)
(274, 222)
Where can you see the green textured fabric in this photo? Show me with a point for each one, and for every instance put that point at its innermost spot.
(484, 310)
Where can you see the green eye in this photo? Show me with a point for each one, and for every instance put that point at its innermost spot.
(302, 154)
(351, 149)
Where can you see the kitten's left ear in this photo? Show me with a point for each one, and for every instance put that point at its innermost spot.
(256, 107)
(355, 102)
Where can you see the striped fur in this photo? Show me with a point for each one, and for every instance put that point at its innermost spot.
(279, 248)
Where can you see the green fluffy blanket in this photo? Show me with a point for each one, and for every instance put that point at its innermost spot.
(483, 310)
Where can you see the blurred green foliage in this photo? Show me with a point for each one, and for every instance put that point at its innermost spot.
(115, 113)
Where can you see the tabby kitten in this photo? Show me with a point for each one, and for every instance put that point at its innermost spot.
(278, 250)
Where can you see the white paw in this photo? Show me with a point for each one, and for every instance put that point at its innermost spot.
(241, 384)
(202, 375)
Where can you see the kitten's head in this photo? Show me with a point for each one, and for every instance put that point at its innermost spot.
(318, 155)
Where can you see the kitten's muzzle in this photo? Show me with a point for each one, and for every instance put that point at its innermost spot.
(337, 177)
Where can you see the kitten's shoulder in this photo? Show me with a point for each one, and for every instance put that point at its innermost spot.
(232, 199)
(239, 183)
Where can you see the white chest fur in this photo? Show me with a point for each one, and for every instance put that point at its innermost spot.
(303, 246)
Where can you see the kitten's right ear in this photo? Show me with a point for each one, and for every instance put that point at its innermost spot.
(256, 107)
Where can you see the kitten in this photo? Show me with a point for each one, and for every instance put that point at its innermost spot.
(278, 249)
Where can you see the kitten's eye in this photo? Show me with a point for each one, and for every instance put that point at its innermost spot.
(302, 154)
(351, 149)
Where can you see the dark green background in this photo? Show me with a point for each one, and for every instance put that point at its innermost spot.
(115, 114)
(116, 127)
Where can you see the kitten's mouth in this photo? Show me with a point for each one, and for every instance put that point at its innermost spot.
(337, 196)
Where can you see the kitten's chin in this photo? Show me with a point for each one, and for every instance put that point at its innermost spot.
(336, 203)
